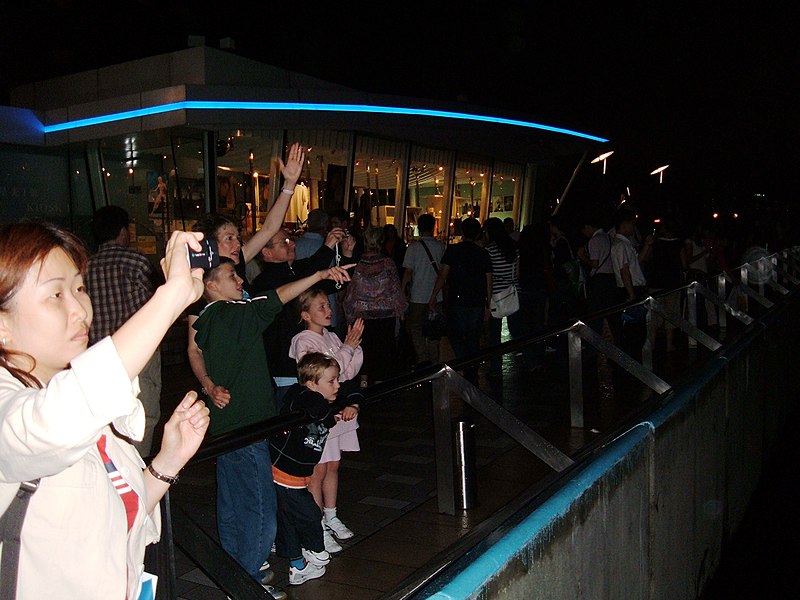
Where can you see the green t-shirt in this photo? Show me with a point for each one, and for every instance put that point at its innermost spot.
(230, 336)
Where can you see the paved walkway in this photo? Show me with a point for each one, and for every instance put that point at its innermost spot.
(387, 492)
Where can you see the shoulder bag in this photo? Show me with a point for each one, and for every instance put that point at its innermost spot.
(10, 530)
(505, 302)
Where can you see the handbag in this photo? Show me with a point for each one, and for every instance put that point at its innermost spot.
(504, 302)
(10, 530)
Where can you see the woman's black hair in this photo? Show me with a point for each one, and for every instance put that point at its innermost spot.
(499, 235)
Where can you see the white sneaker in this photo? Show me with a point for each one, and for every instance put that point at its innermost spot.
(331, 545)
(338, 528)
(310, 571)
(317, 558)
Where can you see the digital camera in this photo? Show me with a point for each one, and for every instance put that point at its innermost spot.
(207, 258)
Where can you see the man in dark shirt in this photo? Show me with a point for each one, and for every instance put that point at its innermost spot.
(467, 270)
(280, 266)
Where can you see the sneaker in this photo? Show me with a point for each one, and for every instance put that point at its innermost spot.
(310, 571)
(275, 592)
(317, 558)
(338, 528)
(331, 545)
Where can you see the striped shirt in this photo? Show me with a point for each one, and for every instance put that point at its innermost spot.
(504, 272)
(119, 282)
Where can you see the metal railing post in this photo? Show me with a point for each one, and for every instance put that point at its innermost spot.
(443, 444)
(575, 379)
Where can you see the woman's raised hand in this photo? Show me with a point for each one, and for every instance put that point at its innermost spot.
(175, 263)
(294, 164)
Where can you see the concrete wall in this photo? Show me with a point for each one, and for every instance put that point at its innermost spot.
(647, 516)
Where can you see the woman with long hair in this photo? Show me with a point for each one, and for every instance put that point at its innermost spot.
(374, 295)
(504, 255)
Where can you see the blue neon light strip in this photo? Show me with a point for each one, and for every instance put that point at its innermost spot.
(361, 108)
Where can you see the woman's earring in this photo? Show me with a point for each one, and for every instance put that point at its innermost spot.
(3, 342)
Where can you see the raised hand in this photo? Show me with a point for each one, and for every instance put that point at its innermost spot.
(175, 263)
(183, 433)
(355, 332)
(337, 274)
(293, 167)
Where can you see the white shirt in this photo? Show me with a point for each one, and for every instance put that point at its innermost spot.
(75, 542)
(423, 275)
(623, 253)
(599, 247)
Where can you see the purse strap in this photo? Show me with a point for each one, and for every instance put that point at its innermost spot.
(433, 262)
(10, 530)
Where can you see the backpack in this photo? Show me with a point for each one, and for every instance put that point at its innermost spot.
(374, 291)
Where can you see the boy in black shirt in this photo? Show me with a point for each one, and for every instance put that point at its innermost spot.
(294, 455)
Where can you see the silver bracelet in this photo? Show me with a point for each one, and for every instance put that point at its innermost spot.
(288, 191)
(161, 477)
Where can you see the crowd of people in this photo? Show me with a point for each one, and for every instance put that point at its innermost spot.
(285, 321)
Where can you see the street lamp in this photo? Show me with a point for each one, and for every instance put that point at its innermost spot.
(603, 157)
(660, 172)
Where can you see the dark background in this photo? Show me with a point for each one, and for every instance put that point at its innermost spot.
(707, 89)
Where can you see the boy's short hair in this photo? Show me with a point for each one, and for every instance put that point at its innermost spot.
(312, 366)
(210, 274)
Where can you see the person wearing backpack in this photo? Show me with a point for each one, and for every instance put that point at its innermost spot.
(374, 295)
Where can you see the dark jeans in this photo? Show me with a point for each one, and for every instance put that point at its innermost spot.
(533, 309)
(299, 523)
(378, 344)
(246, 506)
(464, 324)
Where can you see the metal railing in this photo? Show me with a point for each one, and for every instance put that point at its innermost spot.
(770, 274)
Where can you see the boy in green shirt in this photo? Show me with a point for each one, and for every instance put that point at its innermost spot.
(229, 334)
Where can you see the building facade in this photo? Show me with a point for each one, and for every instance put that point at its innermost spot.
(173, 136)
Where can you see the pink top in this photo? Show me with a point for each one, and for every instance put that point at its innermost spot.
(349, 359)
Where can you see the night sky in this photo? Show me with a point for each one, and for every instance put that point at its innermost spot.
(709, 91)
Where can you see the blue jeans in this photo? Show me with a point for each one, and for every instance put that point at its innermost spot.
(464, 324)
(246, 505)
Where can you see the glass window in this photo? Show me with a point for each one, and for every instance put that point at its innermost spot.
(324, 180)
(376, 189)
(506, 191)
(429, 181)
(35, 183)
(158, 179)
(471, 193)
(246, 165)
